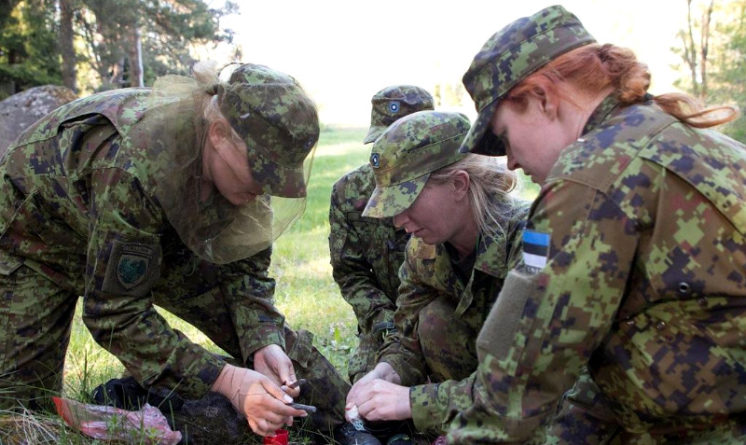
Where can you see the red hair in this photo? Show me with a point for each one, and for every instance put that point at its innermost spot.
(593, 68)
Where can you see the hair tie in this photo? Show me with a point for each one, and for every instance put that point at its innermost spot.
(212, 89)
(647, 97)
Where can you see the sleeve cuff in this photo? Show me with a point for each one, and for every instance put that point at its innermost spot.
(427, 409)
(273, 336)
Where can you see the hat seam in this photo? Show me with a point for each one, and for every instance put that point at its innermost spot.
(380, 170)
(535, 68)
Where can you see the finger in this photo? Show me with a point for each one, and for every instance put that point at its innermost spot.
(273, 419)
(275, 391)
(361, 395)
(286, 370)
(366, 408)
(263, 428)
(253, 425)
(289, 411)
(284, 410)
(293, 392)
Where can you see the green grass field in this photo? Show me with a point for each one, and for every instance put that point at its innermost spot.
(305, 292)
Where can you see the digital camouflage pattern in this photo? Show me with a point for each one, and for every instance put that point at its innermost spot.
(643, 219)
(403, 157)
(439, 314)
(79, 215)
(278, 122)
(508, 57)
(395, 102)
(366, 253)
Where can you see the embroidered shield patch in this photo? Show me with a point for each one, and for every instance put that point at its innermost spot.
(131, 270)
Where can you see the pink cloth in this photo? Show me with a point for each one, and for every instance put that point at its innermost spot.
(147, 426)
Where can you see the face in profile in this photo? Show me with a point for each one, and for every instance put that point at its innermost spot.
(533, 136)
(436, 215)
(226, 166)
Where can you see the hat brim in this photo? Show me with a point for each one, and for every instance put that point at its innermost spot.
(480, 139)
(386, 202)
(373, 133)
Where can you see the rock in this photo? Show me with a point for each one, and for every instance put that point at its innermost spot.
(20, 110)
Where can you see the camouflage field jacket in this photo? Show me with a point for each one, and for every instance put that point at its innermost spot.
(633, 264)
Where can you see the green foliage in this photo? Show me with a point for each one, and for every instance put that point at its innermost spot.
(167, 30)
(28, 46)
(730, 72)
(722, 64)
(106, 33)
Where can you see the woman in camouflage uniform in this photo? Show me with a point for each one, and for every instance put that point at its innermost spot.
(139, 197)
(633, 254)
(463, 226)
(366, 253)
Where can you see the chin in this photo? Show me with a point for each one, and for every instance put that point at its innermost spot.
(430, 239)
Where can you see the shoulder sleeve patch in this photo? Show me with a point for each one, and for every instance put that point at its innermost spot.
(535, 249)
(132, 269)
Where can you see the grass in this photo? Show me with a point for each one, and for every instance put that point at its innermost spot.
(305, 293)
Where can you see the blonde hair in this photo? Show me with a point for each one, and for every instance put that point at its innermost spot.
(490, 182)
(207, 75)
(596, 67)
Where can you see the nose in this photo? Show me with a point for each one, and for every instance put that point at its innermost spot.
(512, 163)
(400, 219)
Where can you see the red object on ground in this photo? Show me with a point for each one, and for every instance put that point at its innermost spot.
(279, 438)
(148, 425)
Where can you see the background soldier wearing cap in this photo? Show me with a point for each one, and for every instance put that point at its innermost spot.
(464, 226)
(138, 197)
(634, 252)
(366, 252)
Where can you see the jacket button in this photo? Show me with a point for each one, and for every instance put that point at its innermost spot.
(684, 288)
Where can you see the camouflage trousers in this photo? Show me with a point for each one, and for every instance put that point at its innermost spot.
(363, 358)
(36, 317)
(448, 344)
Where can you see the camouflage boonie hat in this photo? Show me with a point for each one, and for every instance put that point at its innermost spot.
(278, 122)
(405, 155)
(395, 102)
(508, 57)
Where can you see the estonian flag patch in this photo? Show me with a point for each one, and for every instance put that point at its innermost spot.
(535, 249)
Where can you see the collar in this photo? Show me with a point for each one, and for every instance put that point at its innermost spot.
(599, 115)
(492, 255)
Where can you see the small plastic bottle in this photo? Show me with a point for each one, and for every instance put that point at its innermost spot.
(280, 437)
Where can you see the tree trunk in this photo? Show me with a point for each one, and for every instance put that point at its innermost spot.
(705, 46)
(690, 49)
(135, 56)
(66, 45)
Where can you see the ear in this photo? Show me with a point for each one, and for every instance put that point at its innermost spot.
(218, 132)
(461, 182)
(548, 102)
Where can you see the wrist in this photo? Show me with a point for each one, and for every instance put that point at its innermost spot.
(385, 371)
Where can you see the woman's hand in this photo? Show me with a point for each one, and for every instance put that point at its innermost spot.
(272, 361)
(378, 399)
(256, 397)
(378, 396)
